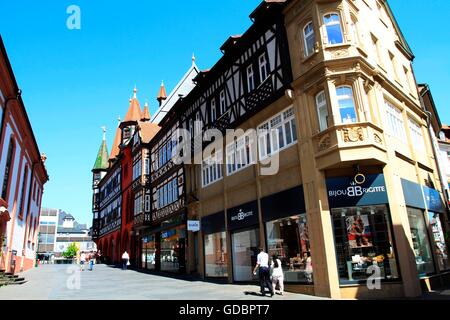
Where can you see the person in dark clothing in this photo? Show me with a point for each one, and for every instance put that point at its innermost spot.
(262, 263)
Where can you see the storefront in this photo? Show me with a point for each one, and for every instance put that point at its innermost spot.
(362, 229)
(287, 234)
(243, 225)
(425, 213)
(215, 246)
(163, 247)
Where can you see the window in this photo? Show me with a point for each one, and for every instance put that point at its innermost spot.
(147, 166)
(394, 66)
(439, 241)
(22, 192)
(416, 135)
(277, 133)
(8, 167)
(240, 154)
(322, 110)
(250, 78)
(167, 193)
(138, 204)
(213, 110)
(263, 68)
(346, 104)
(394, 119)
(191, 127)
(137, 168)
(212, 169)
(147, 203)
(421, 242)
(223, 106)
(363, 238)
(198, 124)
(288, 238)
(333, 28)
(309, 39)
(376, 50)
(355, 30)
(216, 257)
(410, 80)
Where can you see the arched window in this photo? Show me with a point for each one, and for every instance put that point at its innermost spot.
(309, 39)
(333, 28)
(322, 110)
(346, 104)
(8, 168)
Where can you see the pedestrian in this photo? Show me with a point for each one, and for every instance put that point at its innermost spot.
(91, 261)
(125, 260)
(82, 260)
(277, 274)
(262, 263)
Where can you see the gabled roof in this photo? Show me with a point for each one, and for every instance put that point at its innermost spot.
(183, 88)
(101, 163)
(148, 130)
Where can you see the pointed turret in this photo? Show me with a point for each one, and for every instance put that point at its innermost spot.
(162, 95)
(146, 113)
(101, 163)
(134, 110)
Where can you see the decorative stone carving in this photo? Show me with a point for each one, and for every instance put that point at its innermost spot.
(377, 138)
(353, 134)
(324, 142)
(342, 53)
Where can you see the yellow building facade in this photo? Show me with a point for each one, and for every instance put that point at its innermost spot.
(355, 209)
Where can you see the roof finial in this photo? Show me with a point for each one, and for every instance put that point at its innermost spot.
(119, 120)
(134, 92)
(104, 133)
(193, 59)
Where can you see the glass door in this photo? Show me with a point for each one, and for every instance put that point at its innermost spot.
(245, 246)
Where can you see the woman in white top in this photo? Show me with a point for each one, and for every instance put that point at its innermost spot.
(277, 274)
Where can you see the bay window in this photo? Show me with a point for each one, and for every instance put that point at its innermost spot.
(309, 39)
(322, 110)
(346, 104)
(333, 28)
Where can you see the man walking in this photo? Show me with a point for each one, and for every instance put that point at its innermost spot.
(82, 260)
(262, 262)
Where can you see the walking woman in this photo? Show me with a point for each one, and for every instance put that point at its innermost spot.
(277, 274)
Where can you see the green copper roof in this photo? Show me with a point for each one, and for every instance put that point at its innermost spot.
(102, 158)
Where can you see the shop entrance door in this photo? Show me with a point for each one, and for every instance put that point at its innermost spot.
(245, 245)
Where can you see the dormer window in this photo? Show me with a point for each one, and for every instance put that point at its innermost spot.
(126, 133)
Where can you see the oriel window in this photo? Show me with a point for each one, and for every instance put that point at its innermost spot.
(333, 28)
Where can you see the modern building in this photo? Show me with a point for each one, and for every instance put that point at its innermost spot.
(58, 230)
(329, 163)
(22, 176)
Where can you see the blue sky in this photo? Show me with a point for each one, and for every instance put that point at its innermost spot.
(75, 81)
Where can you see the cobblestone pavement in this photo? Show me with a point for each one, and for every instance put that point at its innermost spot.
(60, 282)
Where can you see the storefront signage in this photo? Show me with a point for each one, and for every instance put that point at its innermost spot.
(430, 198)
(345, 192)
(213, 223)
(243, 216)
(193, 225)
(283, 204)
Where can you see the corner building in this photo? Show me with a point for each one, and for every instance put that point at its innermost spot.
(357, 194)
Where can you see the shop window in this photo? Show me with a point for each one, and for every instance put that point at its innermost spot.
(364, 244)
(322, 110)
(309, 38)
(333, 28)
(216, 257)
(173, 249)
(439, 241)
(148, 258)
(245, 245)
(421, 242)
(288, 239)
(346, 104)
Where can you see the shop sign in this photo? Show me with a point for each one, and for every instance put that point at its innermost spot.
(414, 197)
(243, 216)
(193, 225)
(345, 191)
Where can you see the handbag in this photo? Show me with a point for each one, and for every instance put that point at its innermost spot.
(128, 263)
